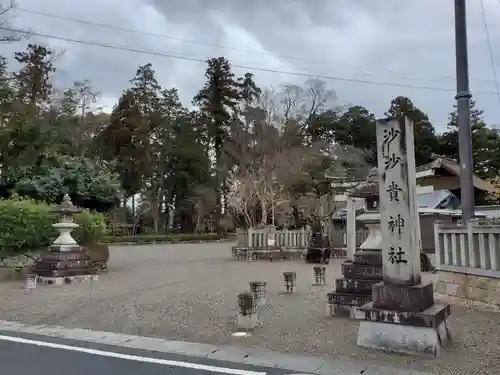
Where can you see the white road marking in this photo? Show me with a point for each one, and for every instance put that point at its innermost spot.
(128, 357)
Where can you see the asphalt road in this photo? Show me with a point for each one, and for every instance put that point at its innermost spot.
(36, 355)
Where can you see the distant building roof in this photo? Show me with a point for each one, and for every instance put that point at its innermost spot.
(452, 167)
(437, 199)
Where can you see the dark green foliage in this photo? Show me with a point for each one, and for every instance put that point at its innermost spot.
(165, 165)
(426, 141)
(27, 225)
(485, 143)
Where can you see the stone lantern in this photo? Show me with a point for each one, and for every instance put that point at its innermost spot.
(355, 288)
(369, 191)
(65, 260)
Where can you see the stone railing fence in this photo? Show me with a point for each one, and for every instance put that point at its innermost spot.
(264, 238)
(261, 238)
(338, 237)
(471, 249)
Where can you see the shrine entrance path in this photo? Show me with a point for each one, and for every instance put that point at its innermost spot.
(188, 292)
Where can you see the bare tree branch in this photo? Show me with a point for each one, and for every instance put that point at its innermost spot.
(7, 34)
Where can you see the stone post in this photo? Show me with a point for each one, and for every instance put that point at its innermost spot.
(247, 312)
(250, 238)
(402, 316)
(290, 281)
(351, 229)
(319, 275)
(438, 224)
(259, 289)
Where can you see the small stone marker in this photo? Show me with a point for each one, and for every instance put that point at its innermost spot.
(247, 312)
(30, 282)
(290, 281)
(259, 289)
(403, 316)
(319, 275)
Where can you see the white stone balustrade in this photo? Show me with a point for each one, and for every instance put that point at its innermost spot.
(263, 238)
(472, 249)
(338, 237)
(258, 238)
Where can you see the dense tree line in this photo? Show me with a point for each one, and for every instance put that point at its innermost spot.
(246, 152)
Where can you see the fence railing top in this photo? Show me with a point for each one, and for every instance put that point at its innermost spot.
(473, 225)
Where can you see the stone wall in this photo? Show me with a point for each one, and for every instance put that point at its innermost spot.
(472, 291)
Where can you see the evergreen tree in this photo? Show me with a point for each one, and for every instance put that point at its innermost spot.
(217, 101)
(426, 141)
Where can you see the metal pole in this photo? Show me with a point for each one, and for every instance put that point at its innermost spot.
(463, 110)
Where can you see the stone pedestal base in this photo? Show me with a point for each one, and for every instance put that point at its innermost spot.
(347, 311)
(424, 332)
(67, 279)
(64, 262)
(355, 289)
(344, 304)
(247, 322)
(412, 298)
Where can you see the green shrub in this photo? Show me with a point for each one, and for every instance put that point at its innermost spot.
(27, 225)
(92, 227)
(161, 238)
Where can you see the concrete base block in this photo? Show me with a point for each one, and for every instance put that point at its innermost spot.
(318, 282)
(246, 322)
(67, 279)
(412, 298)
(404, 338)
(347, 311)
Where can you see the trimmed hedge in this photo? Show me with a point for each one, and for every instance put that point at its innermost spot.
(27, 225)
(163, 238)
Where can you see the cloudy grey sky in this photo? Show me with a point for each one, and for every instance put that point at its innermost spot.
(408, 43)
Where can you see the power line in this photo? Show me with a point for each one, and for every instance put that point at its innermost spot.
(163, 36)
(490, 50)
(246, 67)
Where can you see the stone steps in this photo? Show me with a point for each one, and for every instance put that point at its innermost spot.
(355, 286)
(348, 299)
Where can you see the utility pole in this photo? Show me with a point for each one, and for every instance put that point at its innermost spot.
(463, 98)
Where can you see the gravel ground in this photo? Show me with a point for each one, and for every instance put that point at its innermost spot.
(188, 292)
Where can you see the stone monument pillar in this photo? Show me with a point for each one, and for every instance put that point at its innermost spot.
(365, 270)
(403, 316)
(66, 261)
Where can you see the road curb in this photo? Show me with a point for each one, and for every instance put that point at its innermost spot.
(249, 356)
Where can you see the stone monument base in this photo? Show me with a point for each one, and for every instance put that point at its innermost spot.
(346, 305)
(67, 279)
(64, 262)
(423, 332)
(355, 288)
(412, 298)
